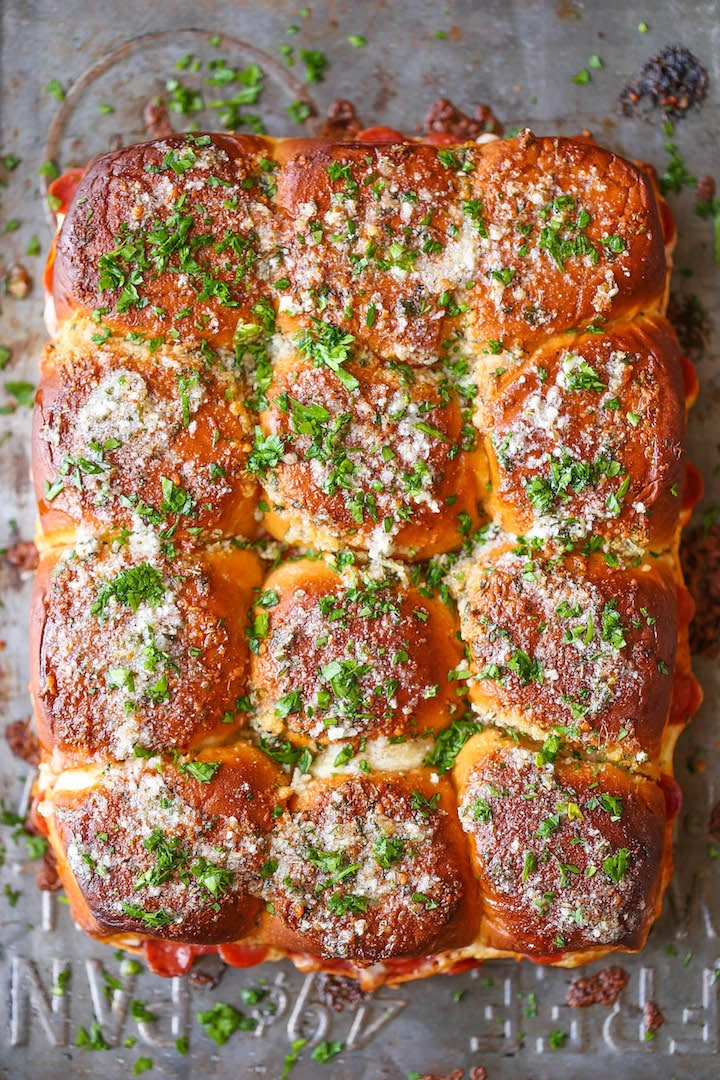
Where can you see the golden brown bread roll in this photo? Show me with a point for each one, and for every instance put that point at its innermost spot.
(175, 847)
(587, 436)
(370, 233)
(171, 238)
(124, 429)
(572, 647)
(371, 869)
(137, 651)
(350, 457)
(377, 457)
(571, 856)
(352, 656)
(574, 238)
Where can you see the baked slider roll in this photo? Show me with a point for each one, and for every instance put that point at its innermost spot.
(567, 235)
(165, 850)
(356, 454)
(125, 431)
(572, 647)
(571, 857)
(359, 634)
(134, 651)
(371, 868)
(352, 655)
(372, 245)
(588, 436)
(173, 239)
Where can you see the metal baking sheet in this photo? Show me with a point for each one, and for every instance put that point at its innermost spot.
(520, 56)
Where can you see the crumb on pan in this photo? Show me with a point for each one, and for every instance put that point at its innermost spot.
(602, 988)
(673, 80)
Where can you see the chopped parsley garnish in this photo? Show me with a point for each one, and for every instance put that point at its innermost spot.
(348, 903)
(203, 771)
(676, 175)
(427, 902)
(299, 111)
(473, 208)
(582, 376)
(140, 1012)
(388, 850)
(92, 1040)
(54, 89)
(223, 1020)
(316, 64)
(329, 346)
(568, 475)
(527, 668)
(481, 810)
(457, 162)
(154, 919)
(22, 391)
(611, 804)
(175, 499)
(450, 742)
(282, 751)
(423, 804)
(334, 864)
(614, 244)
(339, 170)
(615, 866)
(611, 629)
(141, 584)
(266, 454)
(563, 237)
(181, 161)
(549, 750)
(214, 879)
(325, 1051)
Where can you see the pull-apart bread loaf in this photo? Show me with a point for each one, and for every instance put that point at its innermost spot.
(359, 634)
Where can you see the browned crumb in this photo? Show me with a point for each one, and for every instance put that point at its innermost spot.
(206, 980)
(341, 122)
(456, 1074)
(673, 80)
(690, 323)
(337, 991)
(22, 741)
(714, 823)
(700, 557)
(157, 119)
(478, 1072)
(23, 555)
(705, 189)
(18, 282)
(602, 988)
(652, 1017)
(47, 878)
(445, 118)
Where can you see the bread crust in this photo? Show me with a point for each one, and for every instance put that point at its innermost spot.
(371, 658)
(611, 403)
(575, 648)
(179, 847)
(570, 856)
(115, 672)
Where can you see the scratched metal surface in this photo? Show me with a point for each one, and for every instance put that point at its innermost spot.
(520, 56)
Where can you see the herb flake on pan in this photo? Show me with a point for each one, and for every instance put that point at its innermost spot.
(223, 1020)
